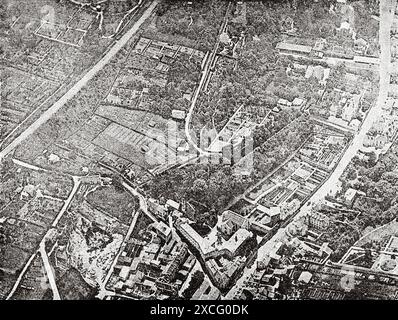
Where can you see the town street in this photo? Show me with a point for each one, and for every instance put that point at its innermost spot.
(329, 187)
(142, 200)
(387, 8)
(102, 291)
(49, 271)
(81, 83)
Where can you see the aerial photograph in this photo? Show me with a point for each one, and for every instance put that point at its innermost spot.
(206, 150)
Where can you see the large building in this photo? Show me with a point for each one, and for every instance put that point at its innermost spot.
(207, 249)
(223, 260)
(317, 220)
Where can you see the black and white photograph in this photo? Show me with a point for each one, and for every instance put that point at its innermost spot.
(215, 153)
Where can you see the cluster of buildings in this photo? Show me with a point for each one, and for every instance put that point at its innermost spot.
(231, 244)
(235, 141)
(223, 260)
(344, 109)
(296, 103)
(153, 265)
(296, 180)
(277, 273)
(321, 49)
(320, 151)
(385, 127)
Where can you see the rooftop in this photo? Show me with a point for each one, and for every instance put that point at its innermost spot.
(293, 47)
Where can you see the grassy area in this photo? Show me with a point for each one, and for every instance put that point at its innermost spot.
(73, 287)
(114, 201)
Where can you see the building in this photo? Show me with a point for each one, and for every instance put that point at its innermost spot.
(207, 249)
(284, 47)
(157, 209)
(173, 205)
(223, 271)
(228, 227)
(367, 60)
(355, 124)
(283, 103)
(266, 215)
(317, 220)
(271, 255)
(178, 114)
(375, 141)
(350, 195)
(305, 277)
(234, 244)
(351, 107)
(206, 292)
(53, 158)
(298, 103)
(360, 45)
(236, 219)
(162, 230)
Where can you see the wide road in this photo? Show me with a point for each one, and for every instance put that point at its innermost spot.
(81, 83)
(386, 15)
(387, 8)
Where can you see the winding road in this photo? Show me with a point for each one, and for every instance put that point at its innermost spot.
(205, 75)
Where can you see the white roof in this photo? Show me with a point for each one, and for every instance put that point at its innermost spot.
(173, 204)
(53, 158)
(178, 114)
(236, 240)
(298, 101)
(368, 60)
(163, 228)
(201, 242)
(305, 276)
(293, 47)
(284, 101)
(271, 211)
(350, 194)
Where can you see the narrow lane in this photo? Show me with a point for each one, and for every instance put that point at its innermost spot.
(76, 186)
(49, 271)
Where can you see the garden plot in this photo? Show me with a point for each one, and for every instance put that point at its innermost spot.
(81, 21)
(148, 69)
(133, 146)
(140, 121)
(21, 94)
